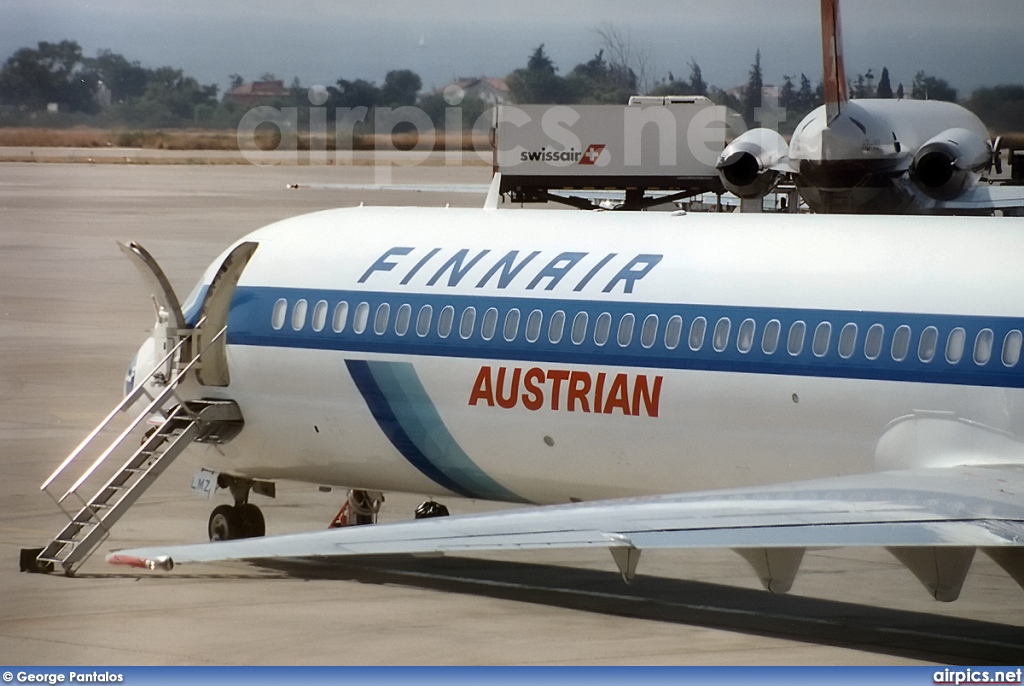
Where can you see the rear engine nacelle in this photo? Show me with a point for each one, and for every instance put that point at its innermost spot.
(746, 166)
(943, 166)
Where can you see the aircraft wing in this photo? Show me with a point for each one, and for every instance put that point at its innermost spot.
(472, 188)
(469, 188)
(985, 197)
(932, 516)
(785, 165)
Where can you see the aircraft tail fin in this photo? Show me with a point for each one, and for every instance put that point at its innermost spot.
(832, 56)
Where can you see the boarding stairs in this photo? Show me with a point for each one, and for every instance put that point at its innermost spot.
(162, 430)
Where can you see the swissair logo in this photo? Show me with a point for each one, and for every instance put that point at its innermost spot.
(591, 154)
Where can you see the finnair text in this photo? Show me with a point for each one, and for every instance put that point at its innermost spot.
(449, 267)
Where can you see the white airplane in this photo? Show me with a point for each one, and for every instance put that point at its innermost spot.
(764, 383)
(872, 155)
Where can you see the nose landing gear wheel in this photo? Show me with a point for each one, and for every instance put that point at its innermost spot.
(229, 523)
(253, 524)
(225, 523)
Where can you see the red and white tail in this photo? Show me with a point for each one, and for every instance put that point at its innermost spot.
(832, 55)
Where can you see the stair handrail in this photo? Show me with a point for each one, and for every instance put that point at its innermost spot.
(126, 402)
(157, 402)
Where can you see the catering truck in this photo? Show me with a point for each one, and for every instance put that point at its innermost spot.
(653, 150)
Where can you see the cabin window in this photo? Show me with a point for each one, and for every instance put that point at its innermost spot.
(770, 339)
(602, 328)
(955, 345)
(467, 323)
(511, 325)
(423, 320)
(745, 336)
(848, 341)
(579, 328)
(320, 316)
(795, 342)
(673, 332)
(299, 314)
(821, 340)
(361, 317)
(533, 326)
(873, 341)
(625, 335)
(1011, 348)
(490, 324)
(928, 345)
(280, 312)
(900, 343)
(556, 327)
(983, 347)
(720, 339)
(340, 317)
(697, 331)
(402, 319)
(380, 321)
(649, 331)
(445, 321)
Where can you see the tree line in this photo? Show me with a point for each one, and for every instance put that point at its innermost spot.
(33, 78)
(112, 90)
(612, 81)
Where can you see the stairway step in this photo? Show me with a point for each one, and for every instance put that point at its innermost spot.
(92, 523)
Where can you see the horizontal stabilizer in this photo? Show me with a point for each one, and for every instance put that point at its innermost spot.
(981, 198)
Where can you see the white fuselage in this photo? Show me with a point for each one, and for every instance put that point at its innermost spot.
(717, 350)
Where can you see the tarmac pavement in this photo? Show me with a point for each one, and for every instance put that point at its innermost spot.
(72, 314)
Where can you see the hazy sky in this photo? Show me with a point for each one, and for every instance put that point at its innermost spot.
(968, 43)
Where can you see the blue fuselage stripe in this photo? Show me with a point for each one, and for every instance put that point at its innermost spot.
(252, 323)
(419, 432)
(383, 413)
